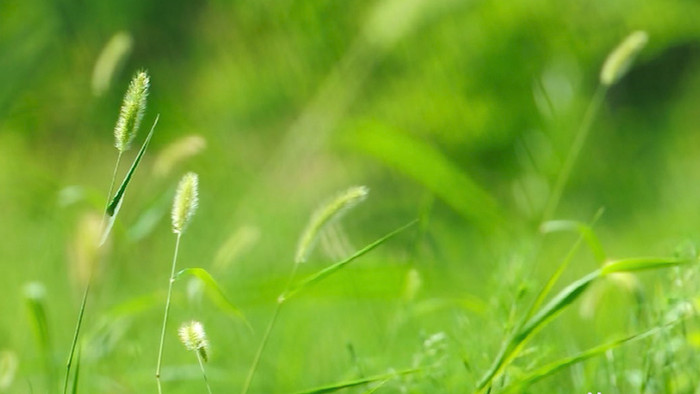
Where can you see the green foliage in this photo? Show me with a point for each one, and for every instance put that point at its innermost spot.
(503, 127)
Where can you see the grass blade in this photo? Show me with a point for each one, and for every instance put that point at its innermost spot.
(320, 275)
(114, 206)
(214, 291)
(584, 230)
(511, 348)
(358, 382)
(641, 264)
(431, 168)
(556, 366)
(76, 374)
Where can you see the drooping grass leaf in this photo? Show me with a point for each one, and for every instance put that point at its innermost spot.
(214, 292)
(583, 229)
(320, 275)
(585, 233)
(430, 167)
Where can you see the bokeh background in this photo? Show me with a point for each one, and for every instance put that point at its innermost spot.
(456, 112)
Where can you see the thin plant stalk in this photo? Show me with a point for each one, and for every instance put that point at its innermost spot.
(575, 150)
(86, 292)
(266, 336)
(167, 311)
(204, 374)
(290, 291)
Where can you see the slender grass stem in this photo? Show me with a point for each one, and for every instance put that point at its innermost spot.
(86, 292)
(76, 334)
(266, 336)
(574, 151)
(201, 366)
(167, 311)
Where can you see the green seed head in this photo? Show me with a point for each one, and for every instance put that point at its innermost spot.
(194, 338)
(186, 200)
(619, 61)
(132, 111)
(325, 214)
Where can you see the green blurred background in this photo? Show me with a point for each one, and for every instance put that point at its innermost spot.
(279, 105)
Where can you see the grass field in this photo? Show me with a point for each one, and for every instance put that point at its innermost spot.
(387, 196)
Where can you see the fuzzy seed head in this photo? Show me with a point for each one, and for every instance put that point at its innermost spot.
(325, 214)
(185, 203)
(132, 111)
(621, 58)
(194, 338)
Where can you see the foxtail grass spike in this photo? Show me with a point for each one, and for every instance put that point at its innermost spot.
(194, 338)
(184, 206)
(621, 58)
(325, 214)
(132, 111)
(186, 200)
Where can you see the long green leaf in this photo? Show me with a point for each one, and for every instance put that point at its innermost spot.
(585, 233)
(357, 382)
(116, 203)
(641, 264)
(430, 167)
(214, 291)
(320, 275)
(111, 208)
(558, 365)
(76, 373)
(512, 346)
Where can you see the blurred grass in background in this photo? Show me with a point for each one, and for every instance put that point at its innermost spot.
(459, 112)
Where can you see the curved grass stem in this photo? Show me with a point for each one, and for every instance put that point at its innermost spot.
(266, 336)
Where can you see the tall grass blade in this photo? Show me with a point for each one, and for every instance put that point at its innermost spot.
(429, 167)
(76, 374)
(111, 208)
(322, 274)
(114, 206)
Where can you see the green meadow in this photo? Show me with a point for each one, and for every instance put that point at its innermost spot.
(371, 196)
